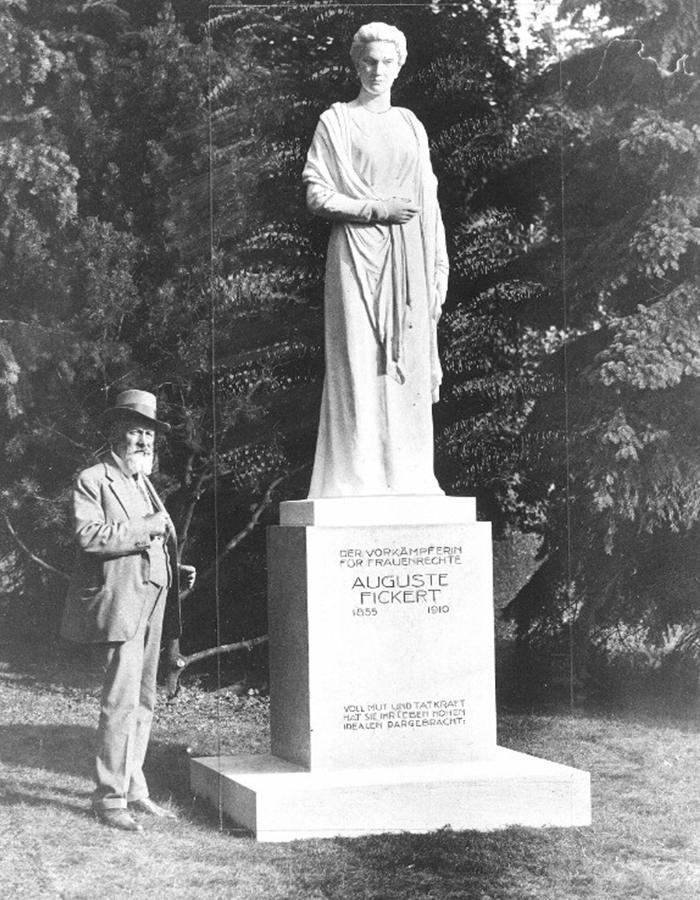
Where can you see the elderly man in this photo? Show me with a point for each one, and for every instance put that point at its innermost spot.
(122, 597)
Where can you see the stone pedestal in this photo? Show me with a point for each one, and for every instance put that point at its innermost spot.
(383, 714)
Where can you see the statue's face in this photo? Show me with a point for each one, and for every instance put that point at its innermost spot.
(378, 66)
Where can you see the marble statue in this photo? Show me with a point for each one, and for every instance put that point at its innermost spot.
(368, 170)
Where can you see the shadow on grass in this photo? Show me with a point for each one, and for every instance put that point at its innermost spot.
(62, 749)
(40, 764)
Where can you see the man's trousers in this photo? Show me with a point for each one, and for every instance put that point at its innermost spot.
(126, 712)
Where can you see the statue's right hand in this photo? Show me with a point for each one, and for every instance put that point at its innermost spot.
(158, 523)
(400, 210)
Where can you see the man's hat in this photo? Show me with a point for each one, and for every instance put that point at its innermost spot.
(136, 403)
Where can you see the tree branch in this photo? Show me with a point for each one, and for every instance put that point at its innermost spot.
(195, 496)
(243, 533)
(255, 518)
(82, 447)
(178, 663)
(23, 547)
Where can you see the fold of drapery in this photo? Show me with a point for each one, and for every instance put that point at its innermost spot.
(434, 245)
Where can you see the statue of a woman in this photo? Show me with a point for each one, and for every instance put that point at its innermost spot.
(368, 170)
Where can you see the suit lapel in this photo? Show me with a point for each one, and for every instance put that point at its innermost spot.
(120, 488)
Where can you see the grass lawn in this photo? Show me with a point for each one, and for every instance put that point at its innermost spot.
(644, 841)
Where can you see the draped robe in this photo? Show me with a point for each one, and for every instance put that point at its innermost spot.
(384, 288)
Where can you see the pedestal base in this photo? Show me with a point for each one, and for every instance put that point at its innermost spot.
(279, 801)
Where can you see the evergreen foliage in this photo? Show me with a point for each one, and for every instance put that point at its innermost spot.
(618, 483)
(153, 234)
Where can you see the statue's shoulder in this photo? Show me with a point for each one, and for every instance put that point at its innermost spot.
(411, 116)
(334, 112)
(416, 124)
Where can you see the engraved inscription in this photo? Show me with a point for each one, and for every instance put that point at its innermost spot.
(443, 713)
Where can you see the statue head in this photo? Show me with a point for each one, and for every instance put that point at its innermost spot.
(378, 52)
(378, 31)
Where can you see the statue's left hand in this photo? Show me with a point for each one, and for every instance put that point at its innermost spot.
(188, 576)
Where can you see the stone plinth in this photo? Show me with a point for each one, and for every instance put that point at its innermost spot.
(278, 801)
(381, 644)
(383, 714)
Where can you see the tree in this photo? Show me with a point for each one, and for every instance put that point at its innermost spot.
(280, 69)
(617, 478)
(154, 233)
(460, 77)
(231, 342)
(61, 274)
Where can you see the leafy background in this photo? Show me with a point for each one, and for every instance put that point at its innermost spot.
(153, 233)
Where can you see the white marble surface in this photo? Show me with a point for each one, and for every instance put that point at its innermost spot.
(381, 645)
(385, 510)
(277, 801)
(383, 714)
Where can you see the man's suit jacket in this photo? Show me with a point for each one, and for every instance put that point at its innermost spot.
(110, 581)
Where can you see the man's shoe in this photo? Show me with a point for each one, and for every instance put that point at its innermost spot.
(146, 805)
(117, 818)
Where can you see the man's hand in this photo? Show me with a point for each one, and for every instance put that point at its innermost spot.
(400, 210)
(158, 524)
(188, 576)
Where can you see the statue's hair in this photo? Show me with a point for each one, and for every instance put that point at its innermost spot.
(378, 31)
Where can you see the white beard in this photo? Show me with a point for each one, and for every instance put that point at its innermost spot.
(137, 462)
